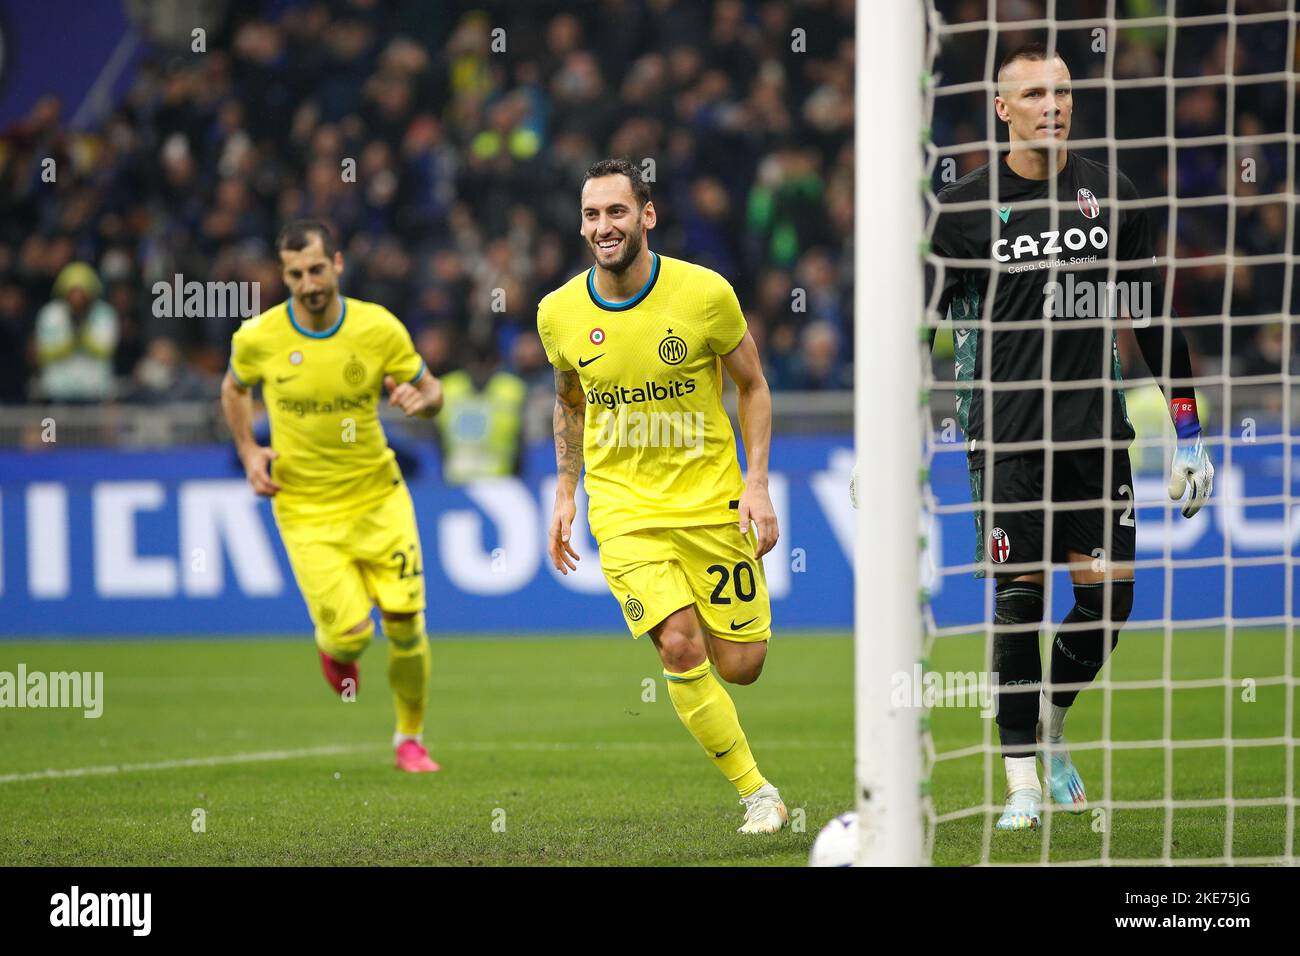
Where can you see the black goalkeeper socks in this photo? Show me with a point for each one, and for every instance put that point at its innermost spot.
(1017, 614)
(1079, 651)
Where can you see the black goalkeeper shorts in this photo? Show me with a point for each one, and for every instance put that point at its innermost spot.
(1014, 541)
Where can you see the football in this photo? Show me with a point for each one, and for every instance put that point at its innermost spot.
(837, 844)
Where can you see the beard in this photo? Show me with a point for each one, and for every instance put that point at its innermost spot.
(631, 249)
(319, 301)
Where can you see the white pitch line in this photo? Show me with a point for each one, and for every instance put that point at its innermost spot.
(258, 757)
(335, 749)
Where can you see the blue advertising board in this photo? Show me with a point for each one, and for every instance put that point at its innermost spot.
(173, 542)
(167, 542)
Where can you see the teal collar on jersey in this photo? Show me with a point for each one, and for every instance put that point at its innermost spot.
(626, 303)
(343, 311)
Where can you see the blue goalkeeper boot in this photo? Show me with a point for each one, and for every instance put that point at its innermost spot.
(1022, 810)
(1063, 781)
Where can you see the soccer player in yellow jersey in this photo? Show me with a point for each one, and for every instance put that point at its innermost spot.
(639, 343)
(343, 511)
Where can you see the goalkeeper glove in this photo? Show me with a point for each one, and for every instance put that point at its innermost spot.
(1191, 462)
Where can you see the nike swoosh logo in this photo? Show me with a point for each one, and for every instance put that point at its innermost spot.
(281, 379)
(728, 750)
(583, 363)
(736, 627)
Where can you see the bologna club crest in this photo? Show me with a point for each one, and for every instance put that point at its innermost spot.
(1088, 204)
(999, 545)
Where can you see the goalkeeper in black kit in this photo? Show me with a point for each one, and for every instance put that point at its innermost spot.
(1044, 417)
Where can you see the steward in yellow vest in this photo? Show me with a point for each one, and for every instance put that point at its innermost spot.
(482, 420)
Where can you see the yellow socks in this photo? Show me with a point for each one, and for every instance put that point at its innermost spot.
(409, 664)
(709, 714)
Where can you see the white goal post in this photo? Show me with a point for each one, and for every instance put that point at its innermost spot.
(888, 415)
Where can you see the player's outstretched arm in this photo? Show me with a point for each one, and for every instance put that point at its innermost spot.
(570, 415)
(237, 404)
(754, 404)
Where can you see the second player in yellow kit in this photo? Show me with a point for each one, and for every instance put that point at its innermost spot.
(340, 502)
(639, 343)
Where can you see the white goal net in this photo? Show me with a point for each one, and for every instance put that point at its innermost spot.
(1186, 740)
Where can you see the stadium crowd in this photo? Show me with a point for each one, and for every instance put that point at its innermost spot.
(450, 169)
(463, 208)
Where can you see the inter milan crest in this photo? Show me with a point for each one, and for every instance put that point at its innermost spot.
(597, 336)
(999, 546)
(634, 609)
(672, 349)
(354, 373)
(1088, 204)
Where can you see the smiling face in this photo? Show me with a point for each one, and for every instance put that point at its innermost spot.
(1035, 100)
(311, 276)
(613, 222)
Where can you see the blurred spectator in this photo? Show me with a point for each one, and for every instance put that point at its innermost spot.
(14, 370)
(436, 346)
(76, 334)
(528, 361)
(481, 420)
(162, 376)
(1263, 353)
(786, 214)
(819, 365)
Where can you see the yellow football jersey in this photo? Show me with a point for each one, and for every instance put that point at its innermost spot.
(322, 391)
(658, 446)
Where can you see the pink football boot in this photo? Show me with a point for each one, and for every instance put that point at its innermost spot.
(336, 673)
(413, 758)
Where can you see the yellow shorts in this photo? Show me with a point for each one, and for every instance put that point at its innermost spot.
(345, 567)
(654, 572)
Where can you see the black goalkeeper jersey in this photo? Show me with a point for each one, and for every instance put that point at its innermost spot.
(1087, 232)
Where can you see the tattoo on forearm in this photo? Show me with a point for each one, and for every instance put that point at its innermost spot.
(570, 414)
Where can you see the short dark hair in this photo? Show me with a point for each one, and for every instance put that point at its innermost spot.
(297, 235)
(1032, 50)
(621, 167)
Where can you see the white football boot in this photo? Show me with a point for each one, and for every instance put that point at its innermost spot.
(1022, 811)
(764, 811)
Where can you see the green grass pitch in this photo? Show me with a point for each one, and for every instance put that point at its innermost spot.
(550, 737)
(1139, 774)
(552, 756)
